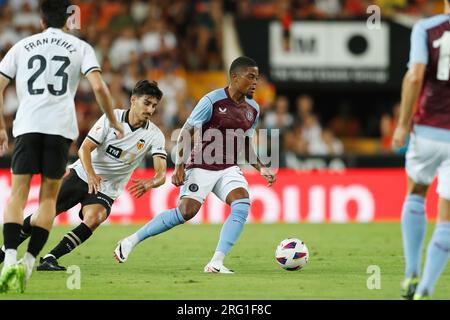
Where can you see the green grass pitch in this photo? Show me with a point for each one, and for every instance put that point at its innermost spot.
(170, 266)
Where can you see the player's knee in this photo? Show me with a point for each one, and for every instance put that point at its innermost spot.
(418, 189)
(188, 212)
(93, 220)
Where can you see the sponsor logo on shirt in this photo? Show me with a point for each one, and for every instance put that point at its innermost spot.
(114, 151)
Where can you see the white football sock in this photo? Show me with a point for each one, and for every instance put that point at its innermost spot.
(10, 257)
(134, 239)
(29, 260)
(218, 257)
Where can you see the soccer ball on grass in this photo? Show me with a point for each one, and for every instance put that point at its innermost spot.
(292, 254)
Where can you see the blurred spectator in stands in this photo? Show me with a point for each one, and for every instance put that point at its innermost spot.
(390, 7)
(10, 34)
(209, 34)
(244, 8)
(185, 108)
(327, 144)
(345, 124)
(285, 17)
(133, 72)
(265, 95)
(293, 147)
(304, 8)
(266, 9)
(119, 95)
(294, 142)
(328, 8)
(102, 47)
(122, 48)
(26, 17)
(140, 10)
(304, 106)
(157, 41)
(388, 123)
(174, 88)
(311, 129)
(105, 10)
(17, 5)
(279, 118)
(356, 8)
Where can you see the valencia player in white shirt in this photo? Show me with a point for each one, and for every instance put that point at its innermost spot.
(104, 169)
(46, 68)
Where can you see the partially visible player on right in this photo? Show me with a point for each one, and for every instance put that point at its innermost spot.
(428, 83)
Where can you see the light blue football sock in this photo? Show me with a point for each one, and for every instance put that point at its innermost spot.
(414, 225)
(164, 221)
(232, 228)
(438, 253)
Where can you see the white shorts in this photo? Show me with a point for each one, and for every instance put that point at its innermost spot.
(200, 182)
(425, 158)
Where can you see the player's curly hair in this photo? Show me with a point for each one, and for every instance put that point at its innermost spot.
(145, 87)
(54, 13)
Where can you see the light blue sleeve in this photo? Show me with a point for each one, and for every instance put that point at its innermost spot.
(202, 112)
(252, 130)
(419, 48)
(255, 123)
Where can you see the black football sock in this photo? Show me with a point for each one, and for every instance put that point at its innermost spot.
(71, 240)
(11, 234)
(24, 235)
(38, 239)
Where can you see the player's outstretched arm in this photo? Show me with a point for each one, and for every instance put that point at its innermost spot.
(86, 160)
(103, 97)
(3, 134)
(252, 158)
(141, 186)
(411, 87)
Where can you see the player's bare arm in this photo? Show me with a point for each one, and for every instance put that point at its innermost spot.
(184, 142)
(141, 186)
(103, 97)
(84, 154)
(412, 84)
(265, 171)
(3, 134)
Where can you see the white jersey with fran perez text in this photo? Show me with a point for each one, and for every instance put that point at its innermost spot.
(115, 160)
(47, 67)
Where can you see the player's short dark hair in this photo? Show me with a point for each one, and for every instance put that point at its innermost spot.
(54, 12)
(242, 62)
(149, 88)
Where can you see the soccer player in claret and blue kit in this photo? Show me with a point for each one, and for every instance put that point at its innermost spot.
(222, 123)
(427, 84)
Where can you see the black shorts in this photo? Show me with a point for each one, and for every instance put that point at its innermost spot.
(38, 153)
(74, 191)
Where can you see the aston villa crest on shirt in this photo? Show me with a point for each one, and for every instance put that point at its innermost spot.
(249, 116)
(140, 144)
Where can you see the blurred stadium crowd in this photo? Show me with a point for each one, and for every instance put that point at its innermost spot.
(167, 40)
